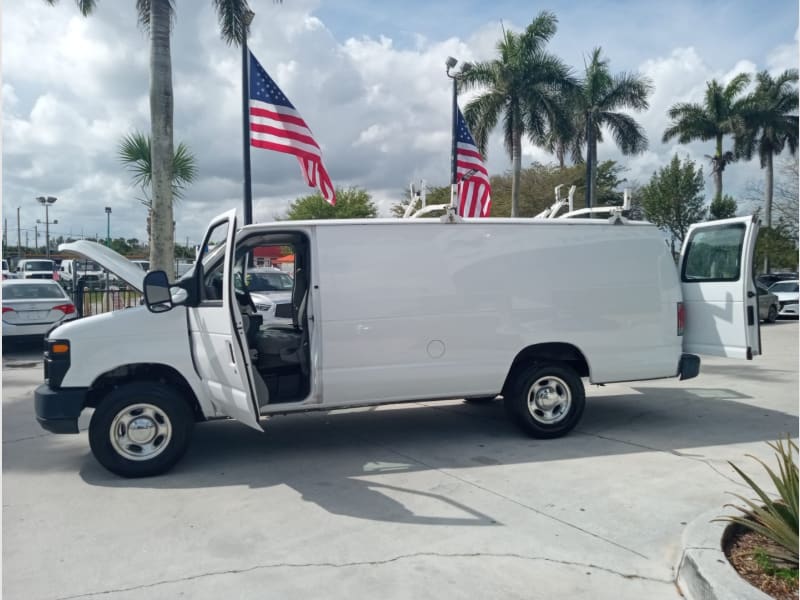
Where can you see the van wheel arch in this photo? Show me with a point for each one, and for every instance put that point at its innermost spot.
(548, 352)
(144, 372)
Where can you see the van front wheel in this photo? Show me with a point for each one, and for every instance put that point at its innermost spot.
(546, 400)
(140, 429)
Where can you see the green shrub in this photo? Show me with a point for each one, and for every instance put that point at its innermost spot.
(776, 519)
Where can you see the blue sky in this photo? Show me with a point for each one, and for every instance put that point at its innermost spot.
(368, 77)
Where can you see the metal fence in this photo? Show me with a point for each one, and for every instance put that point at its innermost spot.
(94, 302)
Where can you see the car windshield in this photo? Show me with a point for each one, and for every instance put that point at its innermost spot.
(86, 265)
(31, 291)
(269, 282)
(39, 265)
(784, 286)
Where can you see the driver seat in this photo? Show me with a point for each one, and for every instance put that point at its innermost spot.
(284, 344)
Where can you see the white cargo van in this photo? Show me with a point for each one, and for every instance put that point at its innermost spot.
(386, 311)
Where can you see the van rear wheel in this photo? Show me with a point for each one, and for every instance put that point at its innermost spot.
(546, 400)
(140, 429)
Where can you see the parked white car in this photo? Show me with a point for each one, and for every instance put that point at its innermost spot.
(32, 308)
(787, 293)
(36, 268)
(386, 311)
(7, 274)
(70, 271)
(271, 291)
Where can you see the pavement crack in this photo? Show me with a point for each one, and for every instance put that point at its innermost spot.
(367, 563)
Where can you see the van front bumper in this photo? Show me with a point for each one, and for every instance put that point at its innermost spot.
(58, 410)
(688, 366)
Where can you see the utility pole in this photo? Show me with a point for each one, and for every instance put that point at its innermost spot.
(26, 240)
(19, 237)
(36, 236)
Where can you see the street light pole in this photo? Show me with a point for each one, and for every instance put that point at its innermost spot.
(47, 201)
(108, 226)
(450, 63)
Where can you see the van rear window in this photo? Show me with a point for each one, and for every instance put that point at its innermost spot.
(714, 254)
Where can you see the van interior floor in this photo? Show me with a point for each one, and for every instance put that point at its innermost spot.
(285, 384)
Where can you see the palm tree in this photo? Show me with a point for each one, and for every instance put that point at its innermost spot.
(156, 17)
(718, 116)
(135, 153)
(600, 95)
(525, 85)
(770, 123)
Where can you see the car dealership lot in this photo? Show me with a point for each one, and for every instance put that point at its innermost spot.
(426, 500)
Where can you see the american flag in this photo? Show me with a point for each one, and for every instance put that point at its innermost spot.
(276, 125)
(475, 192)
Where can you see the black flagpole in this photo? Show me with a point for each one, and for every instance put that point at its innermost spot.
(248, 190)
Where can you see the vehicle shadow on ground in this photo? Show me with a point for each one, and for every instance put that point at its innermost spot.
(338, 460)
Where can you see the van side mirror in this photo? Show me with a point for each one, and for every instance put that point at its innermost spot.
(157, 296)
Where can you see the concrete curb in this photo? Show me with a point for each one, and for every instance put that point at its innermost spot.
(704, 572)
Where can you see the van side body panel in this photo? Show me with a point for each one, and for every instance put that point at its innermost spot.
(440, 310)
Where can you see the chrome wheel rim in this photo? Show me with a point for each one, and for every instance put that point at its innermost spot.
(140, 432)
(549, 400)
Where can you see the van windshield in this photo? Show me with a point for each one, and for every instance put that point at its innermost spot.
(86, 265)
(39, 265)
(269, 282)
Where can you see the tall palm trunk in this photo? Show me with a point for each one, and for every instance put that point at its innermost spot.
(768, 189)
(718, 166)
(768, 206)
(592, 152)
(516, 161)
(162, 247)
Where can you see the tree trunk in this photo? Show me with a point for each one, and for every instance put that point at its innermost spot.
(593, 157)
(717, 166)
(516, 161)
(768, 186)
(162, 245)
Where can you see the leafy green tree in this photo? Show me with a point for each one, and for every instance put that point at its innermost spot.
(722, 208)
(525, 86)
(770, 125)
(135, 153)
(156, 17)
(600, 97)
(673, 198)
(778, 244)
(351, 203)
(719, 115)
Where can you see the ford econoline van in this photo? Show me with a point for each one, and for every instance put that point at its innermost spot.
(386, 311)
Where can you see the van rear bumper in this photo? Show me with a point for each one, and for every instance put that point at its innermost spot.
(688, 366)
(58, 410)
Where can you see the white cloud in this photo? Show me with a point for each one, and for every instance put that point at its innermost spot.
(380, 109)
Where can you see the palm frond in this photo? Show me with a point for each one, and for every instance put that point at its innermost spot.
(628, 135)
(232, 17)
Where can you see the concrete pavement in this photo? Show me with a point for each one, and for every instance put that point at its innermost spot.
(429, 500)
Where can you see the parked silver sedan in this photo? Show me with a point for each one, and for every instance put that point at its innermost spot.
(32, 308)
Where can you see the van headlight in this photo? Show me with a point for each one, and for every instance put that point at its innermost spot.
(263, 307)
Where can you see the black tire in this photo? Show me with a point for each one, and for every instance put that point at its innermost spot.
(480, 399)
(168, 416)
(550, 378)
(772, 315)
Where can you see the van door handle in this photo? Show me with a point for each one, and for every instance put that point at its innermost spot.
(230, 349)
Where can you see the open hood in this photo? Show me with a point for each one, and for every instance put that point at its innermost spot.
(111, 261)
